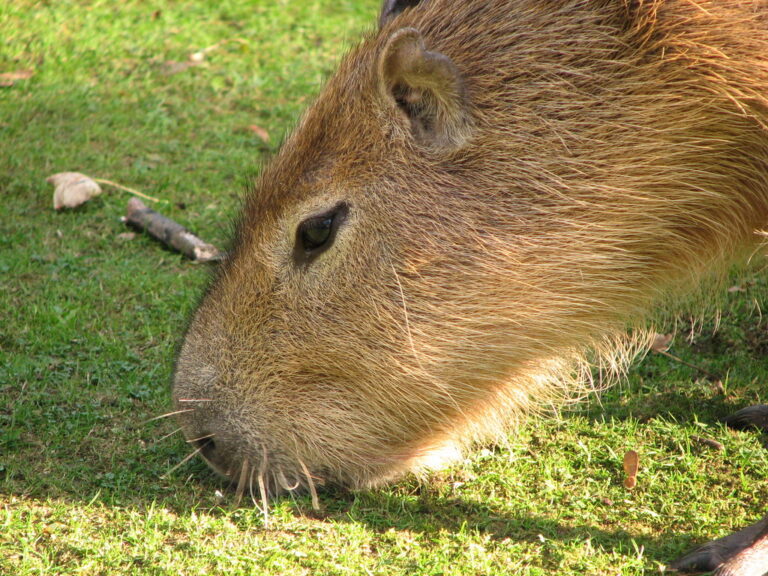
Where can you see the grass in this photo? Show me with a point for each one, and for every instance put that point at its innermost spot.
(90, 321)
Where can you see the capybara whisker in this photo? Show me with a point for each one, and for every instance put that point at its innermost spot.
(166, 436)
(262, 486)
(199, 438)
(186, 459)
(242, 481)
(283, 482)
(311, 486)
(183, 400)
(264, 501)
(169, 414)
(250, 489)
(405, 317)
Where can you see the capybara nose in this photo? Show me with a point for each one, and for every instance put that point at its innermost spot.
(216, 453)
(206, 445)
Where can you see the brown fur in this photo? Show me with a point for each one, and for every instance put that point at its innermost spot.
(593, 160)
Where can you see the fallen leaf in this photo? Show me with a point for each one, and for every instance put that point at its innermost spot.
(631, 466)
(661, 342)
(72, 189)
(10, 78)
(260, 132)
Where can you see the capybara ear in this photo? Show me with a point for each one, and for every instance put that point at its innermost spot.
(427, 88)
(391, 8)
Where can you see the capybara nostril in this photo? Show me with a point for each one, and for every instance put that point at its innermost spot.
(221, 456)
(207, 446)
(216, 458)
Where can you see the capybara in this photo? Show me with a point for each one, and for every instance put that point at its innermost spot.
(481, 203)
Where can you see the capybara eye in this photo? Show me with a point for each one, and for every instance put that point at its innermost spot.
(316, 234)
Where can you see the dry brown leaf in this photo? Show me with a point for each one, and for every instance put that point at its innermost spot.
(72, 189)
(631, 466)
(260, 132)
(661, 342)
(10, 78)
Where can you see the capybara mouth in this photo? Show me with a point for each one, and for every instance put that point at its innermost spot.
(257, 476)
(253, 469)
(264, 468)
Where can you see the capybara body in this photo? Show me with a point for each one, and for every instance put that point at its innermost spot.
(482, 200)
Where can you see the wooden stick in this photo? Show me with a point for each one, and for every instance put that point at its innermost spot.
(170, 233)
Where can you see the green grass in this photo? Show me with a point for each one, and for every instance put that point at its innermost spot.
(90, 321)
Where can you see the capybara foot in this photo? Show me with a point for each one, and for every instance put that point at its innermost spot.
(750, 417)
(743, 553)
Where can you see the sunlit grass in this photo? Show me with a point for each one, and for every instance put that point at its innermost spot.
(90, 321)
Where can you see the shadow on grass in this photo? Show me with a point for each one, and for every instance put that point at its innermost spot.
(136, 483)
(426, 514)
(132, 476)
(665, 387)
(120, 462)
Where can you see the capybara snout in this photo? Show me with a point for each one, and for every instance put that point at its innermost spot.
(480, 203)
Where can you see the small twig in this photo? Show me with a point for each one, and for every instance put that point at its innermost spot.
(678, 359)
(213, 47)
(170, 233)
(709, 442)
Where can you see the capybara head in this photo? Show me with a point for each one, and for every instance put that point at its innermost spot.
(483, 193)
